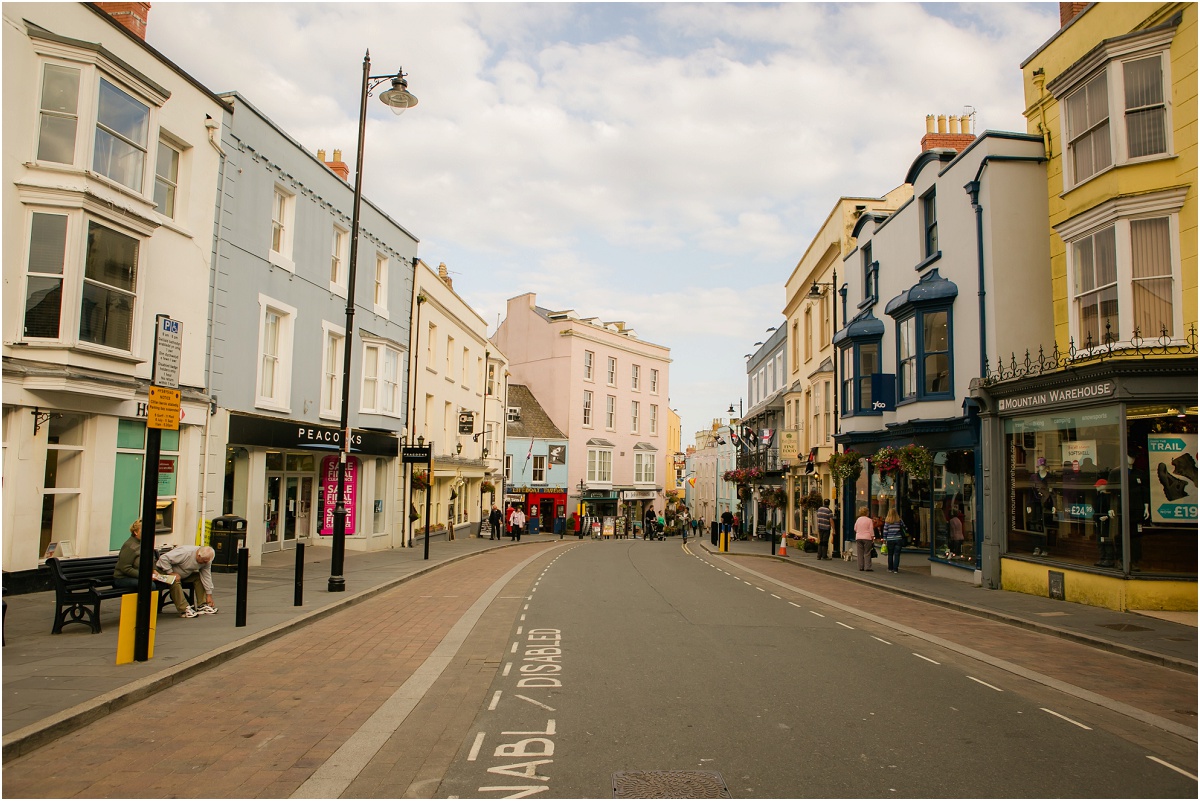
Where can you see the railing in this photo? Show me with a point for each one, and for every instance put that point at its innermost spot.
(767, 459)
(1091, 351)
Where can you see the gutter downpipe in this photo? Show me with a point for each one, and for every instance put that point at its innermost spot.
(212, 126)
(989, 564)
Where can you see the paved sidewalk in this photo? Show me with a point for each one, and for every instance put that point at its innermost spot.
(53, 684)
(1168, 641)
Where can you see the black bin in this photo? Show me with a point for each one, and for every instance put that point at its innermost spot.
(227, 537)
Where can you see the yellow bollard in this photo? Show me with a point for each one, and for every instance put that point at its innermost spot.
(128, 630)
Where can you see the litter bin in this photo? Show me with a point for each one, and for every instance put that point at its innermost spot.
(227, 537)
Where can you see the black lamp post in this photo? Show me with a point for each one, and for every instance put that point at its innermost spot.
(398, 99)
(815, 292)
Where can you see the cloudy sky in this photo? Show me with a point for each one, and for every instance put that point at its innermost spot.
(665, 164)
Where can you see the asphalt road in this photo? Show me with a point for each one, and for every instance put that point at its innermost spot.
(653, 666)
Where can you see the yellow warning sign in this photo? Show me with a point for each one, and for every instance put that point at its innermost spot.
(163, 410)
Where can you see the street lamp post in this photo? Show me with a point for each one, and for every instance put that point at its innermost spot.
(398, 99)
(817, 290)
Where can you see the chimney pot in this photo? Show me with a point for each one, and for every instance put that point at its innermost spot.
(941, 123)
(928, 123)
(953, 125)
(321, 155)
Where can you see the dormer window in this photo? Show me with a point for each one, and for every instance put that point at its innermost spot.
(514, 414)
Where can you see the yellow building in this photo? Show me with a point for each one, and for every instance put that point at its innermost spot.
(1096, 439)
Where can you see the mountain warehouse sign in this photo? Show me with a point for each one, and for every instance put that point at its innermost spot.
(1100, 389)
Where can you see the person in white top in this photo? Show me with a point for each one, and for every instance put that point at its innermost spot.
(518, 523)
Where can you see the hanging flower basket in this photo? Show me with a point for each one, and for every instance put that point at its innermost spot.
(486, 486)
(811, 501)
(886, 461)
(774, 498)
(845, 466)
(915, 460)
(420, 481)
(742, 475)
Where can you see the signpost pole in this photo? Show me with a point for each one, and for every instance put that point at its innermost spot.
(428, 492)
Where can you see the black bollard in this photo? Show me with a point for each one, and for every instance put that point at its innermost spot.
(299, 598)
(243, 583)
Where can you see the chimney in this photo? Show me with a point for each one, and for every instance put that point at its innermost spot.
(1069, 11)
(444, 274)
(133, 16)
(952, 132)
(339, 167)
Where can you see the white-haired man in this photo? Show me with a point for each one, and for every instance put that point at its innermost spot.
(190, 563)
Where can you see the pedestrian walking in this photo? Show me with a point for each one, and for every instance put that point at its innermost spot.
(864, 538)
(518, 522)
(893, 539)
(495, 521)
(824, 527)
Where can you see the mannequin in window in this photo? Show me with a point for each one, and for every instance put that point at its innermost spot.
(1040, 502)
(1103, 518)
(1139, 504)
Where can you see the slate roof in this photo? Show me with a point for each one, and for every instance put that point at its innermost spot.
(534, 421)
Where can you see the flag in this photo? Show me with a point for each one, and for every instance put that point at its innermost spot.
(529, 455)
(768, 434)
(692, 481)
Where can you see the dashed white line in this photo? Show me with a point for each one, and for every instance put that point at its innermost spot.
(507, 667)
(885, 642)
(520, 629)
(818, 614)
(840, 623)
(793, 603)
(985, 684)
(927, 659)
(773, 595)
(1172, 767)
(760, 589)
(512, 650)
(495, 700)
(1064, 717)
(471, 757)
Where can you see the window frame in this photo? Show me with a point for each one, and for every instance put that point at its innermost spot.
(1120, 213)
(279, 400)
(283, 222)
(170, 182)
(587, 408)
(330, 403)
(612, 371)
(635, 410)
(339, 273)
(383, 385)
(929, 225)
(852, 378)
(644, 463)
(920, 355)
(653, 381)
(589, 359)
(379, 298)
(635, 377)
(538, 466)
(599, 466)
(653, 431)
(610, 413)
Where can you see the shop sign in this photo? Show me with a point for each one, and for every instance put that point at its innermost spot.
(1079, 450)
(558, 454)
(540, 490)
(1035, 400)
(883, 392)
(1172, 477)
(637, 495)
(789, 444)
(329, 483)
(273, 433)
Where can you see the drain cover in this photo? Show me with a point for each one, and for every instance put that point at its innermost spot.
(669, 784)
(1123, 627)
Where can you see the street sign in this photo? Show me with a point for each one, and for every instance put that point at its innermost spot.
(466, 422)
(416, 454)
(163, 409)
(168, 344)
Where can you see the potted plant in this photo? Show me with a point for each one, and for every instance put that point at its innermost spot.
(915, 460)
(845, 466)
(886, 461)
(810, 544)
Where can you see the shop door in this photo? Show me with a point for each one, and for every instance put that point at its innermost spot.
(273, 513)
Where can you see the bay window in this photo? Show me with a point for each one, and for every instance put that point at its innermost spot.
(599, 466)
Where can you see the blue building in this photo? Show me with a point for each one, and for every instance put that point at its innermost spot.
(535, 460)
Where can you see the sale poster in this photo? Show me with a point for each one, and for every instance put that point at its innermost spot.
(329, 483)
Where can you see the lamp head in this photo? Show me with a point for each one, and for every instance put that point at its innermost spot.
(814, 291)
(458, 448)
(398, 98)
(421, 441)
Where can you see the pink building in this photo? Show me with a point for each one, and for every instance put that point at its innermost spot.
(607, 390)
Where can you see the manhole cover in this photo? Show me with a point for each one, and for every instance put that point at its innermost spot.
(669, 784)
(1123, 627)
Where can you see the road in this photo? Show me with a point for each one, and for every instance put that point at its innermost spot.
(559, 670)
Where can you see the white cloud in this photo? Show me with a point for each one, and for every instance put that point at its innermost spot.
(664, 164)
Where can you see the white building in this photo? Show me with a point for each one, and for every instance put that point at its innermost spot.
(110, 193)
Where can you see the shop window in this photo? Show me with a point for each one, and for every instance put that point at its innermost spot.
(128, 480)
(379, 516)
(860, 360)
(923, 356)
(61, 480)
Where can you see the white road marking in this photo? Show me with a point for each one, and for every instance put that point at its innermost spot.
(985, 684)
(927, 659)
(748, 584)
(793, 603)
(760, 589)
(840, 623)
(1064, 717)
(535, 703)
(512, 650)
(818, 614)
(495, 700)
(1172, 767)
(507, 665)
(773, 595)
(522, 617)
(471, 757)
(885, 642)
(519, 628)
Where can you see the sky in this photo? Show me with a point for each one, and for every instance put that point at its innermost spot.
(663, 164)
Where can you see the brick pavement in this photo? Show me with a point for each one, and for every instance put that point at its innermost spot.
(261, 724)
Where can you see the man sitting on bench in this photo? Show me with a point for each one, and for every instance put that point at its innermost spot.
(190, 563)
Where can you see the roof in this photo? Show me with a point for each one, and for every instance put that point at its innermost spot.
(534, 423)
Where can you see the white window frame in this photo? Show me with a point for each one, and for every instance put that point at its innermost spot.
(508, 460)
(280, 399)
(431, 348)
(653, 419)
(169, 184)
(538, 476)
(610, 413)
(1120, 212)
(635, 410)
(1109, 58)
(333, 356)
(643, 467)
(653, 381)
(599, 466)
(283, 221)
(339, 261)
(635, 377)
(589, 359)
(612, 371)
(449, 357)
(587, 408)
(380, 297)
(380, 391)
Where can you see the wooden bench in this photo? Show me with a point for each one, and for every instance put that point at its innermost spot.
(81, 584)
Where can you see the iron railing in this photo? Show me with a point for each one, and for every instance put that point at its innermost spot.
(766, 459)
(1090, 351)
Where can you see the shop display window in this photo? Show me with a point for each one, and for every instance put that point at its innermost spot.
(1069, 480)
